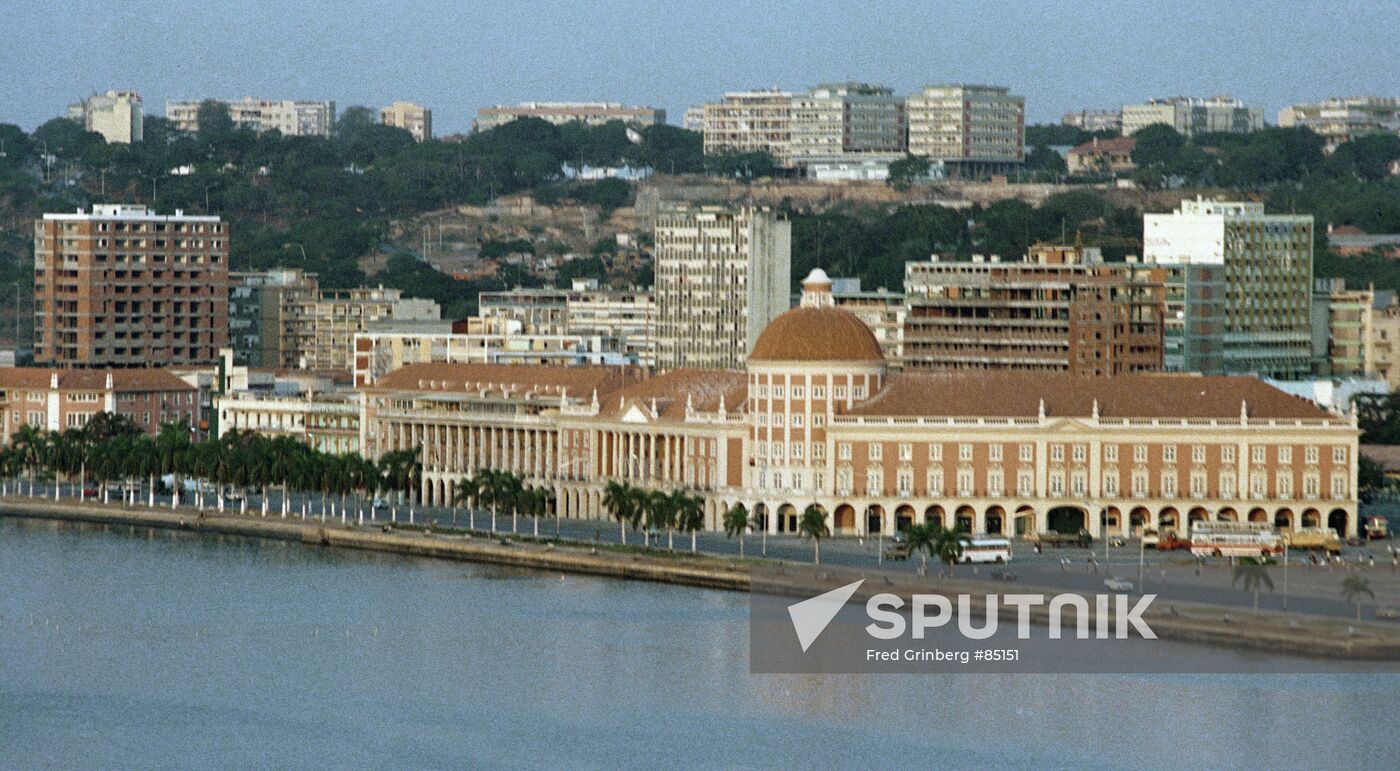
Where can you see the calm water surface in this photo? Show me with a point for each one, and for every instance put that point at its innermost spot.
(124, 647)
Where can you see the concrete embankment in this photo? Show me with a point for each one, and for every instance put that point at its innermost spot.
(1183, 621)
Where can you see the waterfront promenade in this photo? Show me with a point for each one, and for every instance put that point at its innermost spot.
(1189, 606)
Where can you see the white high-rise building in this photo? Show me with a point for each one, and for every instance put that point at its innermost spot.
(721, 275)
(115, 115)
(1191, 116)
(1239, 287)
(971, 129)
(292, 118)
(1343, 119)
(751, 122)
(410, 117)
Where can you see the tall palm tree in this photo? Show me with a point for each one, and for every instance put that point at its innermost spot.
(465, 493)
(660, 508)
(920, 538)
(813, 525)
(736, 522)
(1253, 574)
(31, 443)
(690, 516)
(173, 447)
(619, 500)
(1353, 587)
(948, 543)
(534, 501)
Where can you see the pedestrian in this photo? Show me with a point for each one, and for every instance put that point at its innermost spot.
(1164, 575)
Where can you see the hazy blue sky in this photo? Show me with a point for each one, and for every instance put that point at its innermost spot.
(455, 56)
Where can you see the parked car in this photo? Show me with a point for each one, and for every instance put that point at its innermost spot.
(1116, 541)
(897, 551)
(1118, 584)
(1387, 613)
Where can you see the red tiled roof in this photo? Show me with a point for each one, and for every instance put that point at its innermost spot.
(703, 387)
(93, 379)
(1018, 394)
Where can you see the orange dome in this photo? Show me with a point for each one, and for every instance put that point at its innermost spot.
(817, 334)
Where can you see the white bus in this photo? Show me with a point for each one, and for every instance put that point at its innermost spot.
(983, 548)
(1235, 539)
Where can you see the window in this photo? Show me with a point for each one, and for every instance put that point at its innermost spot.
(1079, 483)
(1057, 483)
(904, 481)
(1339, 486)
(1027, 453)
(906, 451)
(1139, 453)
(798, 392)
(777, 419)
(965, 481)
(843, 482)
(1227, 484)
(1311, 484)
(874, 482)
(994, 453)
(840, 392)
(843, 450)
(777, 452)
(762, 392)
(1079, 453)
(995, 482)
(1256, 454)
(1025, 482)
(1110, 484)
(818, 421)
(858, 392)
(1198, 484)
(876, 451)
(935, 452)
(935, 481)
(818, 392)
(797, 420)
(1169, 453)
(1283, 484)
(1258, 485)
(1168, 484)
(797, 451)
(1198, 453)
(1110, 453)
(1227, 454)
(777, 392)
(1140, 484)
(1310, 455)
(1057, 452)
(1339, 455)
(964, 452)
(819, 451)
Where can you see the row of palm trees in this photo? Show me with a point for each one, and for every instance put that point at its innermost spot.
(654, 510)
(495, 489)
(111, 448)
(931, 539)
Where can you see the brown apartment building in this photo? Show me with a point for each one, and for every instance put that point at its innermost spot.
(1061, 309)
(122, 286)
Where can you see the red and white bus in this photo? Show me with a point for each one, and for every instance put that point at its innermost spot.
(1235, 539)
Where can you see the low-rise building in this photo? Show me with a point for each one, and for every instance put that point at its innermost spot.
(1102, 156)
(623, 321)
(324, 421)
(57, 400)
(1094, 120)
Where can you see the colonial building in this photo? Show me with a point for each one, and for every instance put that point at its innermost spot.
(55, 400)
(816, 418)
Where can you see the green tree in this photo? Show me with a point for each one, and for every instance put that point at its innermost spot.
(736, 523)
(908, 170)
(812, 524)
(948, 543)
(690, 516)
(620, 501)
(1157, 145)
(1353, 588)
(1253, 574)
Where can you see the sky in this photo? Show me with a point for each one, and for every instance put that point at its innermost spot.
(457, 55)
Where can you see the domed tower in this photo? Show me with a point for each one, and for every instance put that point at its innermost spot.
(812, 362)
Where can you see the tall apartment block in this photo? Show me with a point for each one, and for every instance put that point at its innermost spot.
(559, 113)
(1344, 118)
(837, 119)
(1061, 309)
(410, 117)
(1191, 116)
(292, 118)
(973, 130)
(751, 122)
(1343, 341)
(721, 275)
(115, 115)
(268, 316)
(1239, 287)
(122, 286)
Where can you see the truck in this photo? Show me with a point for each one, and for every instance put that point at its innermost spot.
(1314, 539)
(1168, 540)
(1081, 538)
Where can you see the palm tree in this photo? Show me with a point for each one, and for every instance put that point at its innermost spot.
(921, 540)
(619, 500)
(690, 516)
(813, 525)
(535, 502)
(173, 446)
(1253, 574)
(948, 543)
(465, 493)
(736, 522)
(661, 509)
(30, 442)
(1352, 589)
